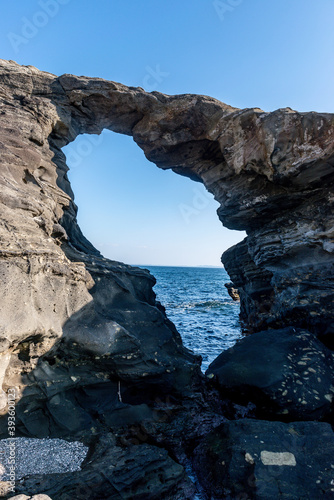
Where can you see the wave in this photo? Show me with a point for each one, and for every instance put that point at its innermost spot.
(204, 304)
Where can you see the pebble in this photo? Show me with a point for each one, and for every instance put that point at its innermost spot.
(41, 456)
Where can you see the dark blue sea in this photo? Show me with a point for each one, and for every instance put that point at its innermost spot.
(197, 302)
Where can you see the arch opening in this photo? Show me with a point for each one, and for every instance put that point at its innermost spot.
(144, 216)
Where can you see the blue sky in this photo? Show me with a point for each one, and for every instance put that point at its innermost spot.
(243, 52)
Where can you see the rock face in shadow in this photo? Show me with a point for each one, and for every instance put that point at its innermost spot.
(83, 340)
(260, 460)
(288, 374)
(112, 472)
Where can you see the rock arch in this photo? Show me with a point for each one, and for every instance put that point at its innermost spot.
(88, 323)
(272, 173)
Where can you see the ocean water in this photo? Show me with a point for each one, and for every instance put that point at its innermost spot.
(197, 302)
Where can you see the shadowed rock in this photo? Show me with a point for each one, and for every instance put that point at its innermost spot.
(112, 472)
(260, 460)
(288, 374)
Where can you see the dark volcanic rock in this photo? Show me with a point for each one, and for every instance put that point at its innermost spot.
(260, 460)
(112, 472)
(232, 291)
(288, 374)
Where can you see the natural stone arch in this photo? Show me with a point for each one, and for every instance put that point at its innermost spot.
(271, 172)
(266, 169)
(74, 323)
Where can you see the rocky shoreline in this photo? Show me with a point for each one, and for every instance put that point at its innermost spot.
(91, 354)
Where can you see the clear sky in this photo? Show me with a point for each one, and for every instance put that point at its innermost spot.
(247, 53)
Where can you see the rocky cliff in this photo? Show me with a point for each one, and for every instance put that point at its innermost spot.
(82, 338)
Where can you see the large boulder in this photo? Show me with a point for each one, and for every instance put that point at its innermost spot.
(261, 460)
(288, 374)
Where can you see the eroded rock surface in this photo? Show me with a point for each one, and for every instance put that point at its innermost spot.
(287, 374)
(271, 172)
(113, 472)
(260, 460)
(232, 291)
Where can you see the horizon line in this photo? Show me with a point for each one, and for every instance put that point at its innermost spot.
(178, 265)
